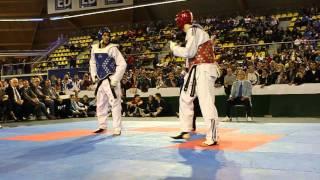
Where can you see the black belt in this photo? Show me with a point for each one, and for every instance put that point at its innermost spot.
(194, 82)
(112, 88)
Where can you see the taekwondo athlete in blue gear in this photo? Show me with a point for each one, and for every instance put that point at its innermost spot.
(107, 67)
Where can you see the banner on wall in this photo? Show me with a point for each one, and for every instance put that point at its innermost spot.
(63, 6)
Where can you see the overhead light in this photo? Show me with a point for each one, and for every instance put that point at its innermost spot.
(22, 20)
(116, 9)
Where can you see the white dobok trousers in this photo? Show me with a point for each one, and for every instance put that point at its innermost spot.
(206, 75)
(105, 101)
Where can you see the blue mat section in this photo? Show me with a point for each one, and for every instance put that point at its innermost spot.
(145, 155)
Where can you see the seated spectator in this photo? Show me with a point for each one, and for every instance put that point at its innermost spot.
(220, 80)
(152, 79)
(265, 78)
(313, 74)
(160, 82)
(53, 80)
(171, 81)
(143, 82)
(20, 83)
(4, 103)
(291, 72)
(275, 74)
(58, 86)
(300, 76)
(151, 107)
(16, 102)
(91, 104)
(134, 106)
(241, 92)
(229, 79)
(4, 83)
(77, 108)
(60, 107)
(47, 100)
(33, 104)
(252, 75)
(67, 85)
(180, 74)
(282, 78)
(161, 106)
(76, 83)
(86, 82)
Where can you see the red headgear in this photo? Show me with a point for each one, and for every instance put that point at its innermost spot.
(184, 17)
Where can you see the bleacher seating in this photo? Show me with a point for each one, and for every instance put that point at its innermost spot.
(144, 46)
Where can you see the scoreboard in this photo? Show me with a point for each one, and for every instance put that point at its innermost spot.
(63, 6)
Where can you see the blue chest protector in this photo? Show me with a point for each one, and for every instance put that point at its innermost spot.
(106, 65)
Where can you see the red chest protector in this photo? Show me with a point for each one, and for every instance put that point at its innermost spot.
(204, 54)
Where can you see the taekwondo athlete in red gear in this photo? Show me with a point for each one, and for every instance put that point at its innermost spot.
(107, 65)
(200, 79)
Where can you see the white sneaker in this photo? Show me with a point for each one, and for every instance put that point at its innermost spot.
(0, 126)
(249, 119)
(226, 119)
(116, 133)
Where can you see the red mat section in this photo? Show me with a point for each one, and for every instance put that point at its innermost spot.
(231, 142)
(51, 135)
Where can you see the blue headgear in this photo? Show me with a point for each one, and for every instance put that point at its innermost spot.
(103, 30)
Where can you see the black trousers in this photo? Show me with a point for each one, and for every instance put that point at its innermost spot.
(4, 110)
(227, 90)
(18, 110)
(237, 101)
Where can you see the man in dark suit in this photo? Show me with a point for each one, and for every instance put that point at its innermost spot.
(47, 100)
(241, 92)
(33, 103)
(15, 101)
(313, 74)
(59, 105)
